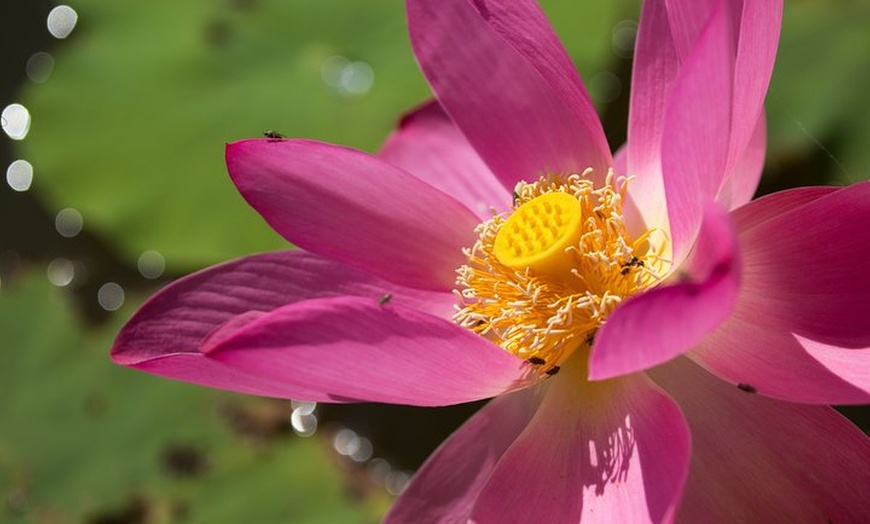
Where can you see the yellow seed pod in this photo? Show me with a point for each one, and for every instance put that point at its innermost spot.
(537, 234)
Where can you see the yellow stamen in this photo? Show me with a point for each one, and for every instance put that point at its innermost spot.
(540, 280)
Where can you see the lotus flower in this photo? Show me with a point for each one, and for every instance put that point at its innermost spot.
(658, 346)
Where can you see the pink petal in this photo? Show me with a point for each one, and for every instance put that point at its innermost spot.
(852, 366)
(428, 145)
(687, 19)
(656, 326)
(354, 208)
(760, 22)
(756, 459)
(594, 452)
(763, 355)
(802, 314)
(620, 161)
(754, 35)
(447, 485)
(166, 335)
(696, 130)
(775, 204)
(630, 207)
(350, 349)
(197, 369)
(742, 180)
(654, 72)
(505, 79)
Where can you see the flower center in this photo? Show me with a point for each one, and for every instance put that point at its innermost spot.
(541, 279)
(538, 233)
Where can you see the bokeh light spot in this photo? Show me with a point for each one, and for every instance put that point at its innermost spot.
(19, 175)
(364, 451)
(110, 296)
(397, 481)
(61, 21)
(61, 272)
(16, 121)
(68, 222)
(623, 37)
(303, 420)
(151, 264)
(346, 77)
(346, 442)
(379, 470)
(605, 87)
(303, 425)
(39, 67)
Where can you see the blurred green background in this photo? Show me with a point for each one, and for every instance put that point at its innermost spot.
(118, 186)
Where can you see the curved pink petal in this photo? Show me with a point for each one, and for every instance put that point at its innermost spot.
(501, 73)
(751, 349)
(350, 349)
(802, 311)
(167, 334)
(658, 325)
(428, 145)
(633, 216)
(742, 180)
(687, 19)
(197, 369)
(620, 160)
(753, 40)
(759, 22)
(594, 452)
(447, 485)
(852, 366)
(756, 459)
(696, 130)
(773, 205)
(354, 208)
(653, 74)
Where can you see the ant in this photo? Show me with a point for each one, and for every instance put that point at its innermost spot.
(632, 262)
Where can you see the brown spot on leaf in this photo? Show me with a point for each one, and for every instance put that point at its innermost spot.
(135, 511)
(259, 420)
(184, 461)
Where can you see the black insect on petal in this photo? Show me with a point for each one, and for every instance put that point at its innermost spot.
(536, 361)
(383, 299)
(553, 370)
(747, 388)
